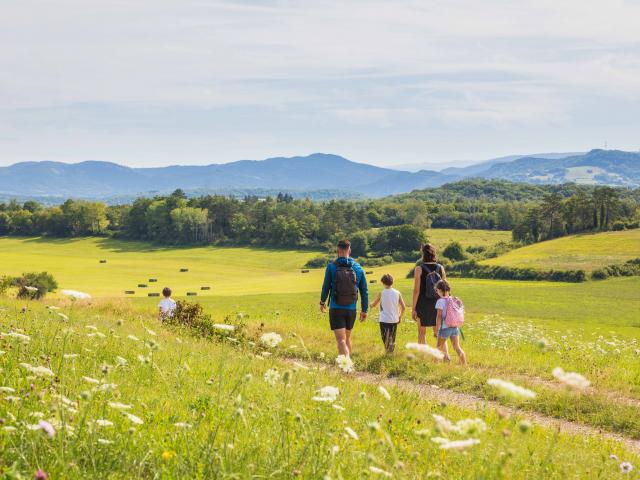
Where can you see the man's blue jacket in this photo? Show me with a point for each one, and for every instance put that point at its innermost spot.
(329, 285)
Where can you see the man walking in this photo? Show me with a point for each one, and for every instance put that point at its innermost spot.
(342, 280)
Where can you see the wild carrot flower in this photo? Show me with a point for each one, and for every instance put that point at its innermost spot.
(511, 390)
(426, 349)
(271, 339)
(571, 379)
(460, 444)
(327, 394)
(119, 406)
(383, 391)
(351, 433)
(271, 376)
(224, 326)
(133, 419)
(379, 471)
(344, 363)
(182, 425)
(101, 422)
(75, 294)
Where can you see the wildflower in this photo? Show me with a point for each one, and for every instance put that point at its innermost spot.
(47, 428)
(375, 426)
(224, 326)
(70, 356)
(351, 433)
(383, 391)
(426, 349)
(106, 386)
(300, 366)
(327, 394)
(18, 336)
(103, 441)
(470, 426)
(334, 450)
(344, 363)
(133, 419)
(379, 471)
(440, 440)
(460, 444)
(95, 381)
(7, 390)
(571, 379)
(133, 337)
(31, 289)
(91, 327)
(271, 376)
(119, 406)
(121, 361)
(340, 408)
(75, 294)
(101, 422)
(626, 467)
(63, 316)
(613, 456)
(168, 455)
(271, 339)
(182, 425)
(151, 332)
(41, 475)
(9, 428)
(53, 307)
(511, 389)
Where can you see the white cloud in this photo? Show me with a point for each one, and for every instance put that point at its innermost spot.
(123, 70)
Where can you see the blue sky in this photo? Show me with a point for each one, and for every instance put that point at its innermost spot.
(147, 83)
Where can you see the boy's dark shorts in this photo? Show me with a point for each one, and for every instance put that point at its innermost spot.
(342, 318)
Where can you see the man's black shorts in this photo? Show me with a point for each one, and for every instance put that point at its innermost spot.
(342, 318)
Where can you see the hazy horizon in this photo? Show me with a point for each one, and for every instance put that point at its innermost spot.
(383, 82)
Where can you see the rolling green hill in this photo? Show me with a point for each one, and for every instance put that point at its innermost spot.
(587, 252)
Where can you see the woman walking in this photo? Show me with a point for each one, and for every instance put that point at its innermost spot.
(426, 277)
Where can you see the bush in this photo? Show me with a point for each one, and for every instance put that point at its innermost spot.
(626, 269)
(375, 261)
(34, 285)
(454, 251)
(618, 226)
(318, 262)
(476, 249)
(359, 244)
(199, 323)
(473, 269)
(599, 274)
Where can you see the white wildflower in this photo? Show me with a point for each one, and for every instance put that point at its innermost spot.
(121, 361)
(182, 425)
(103, 441)
(440, 440)
(271, 376)
(75, 294)
(626, 467)
(133, 419)
(351, 433)
(95, 381)
(571, 379)
(119, 406)
(271, 339)
(379, 471)
(101, 422)
(70, 356)
(63, 316)
(511, 389)
(383, 391)
(31, 289)
(426, 349)
(133, 337)
(344, 363)
(224, 326)
(91, 327)
(17, 336)
(460, 444)
(7, 390)
(327, 394)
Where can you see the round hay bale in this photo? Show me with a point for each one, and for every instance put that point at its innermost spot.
(103, 261)
(142, 285)
(305, 271)
(192, 294)
(182, 270)
(153, 294)
(129, 292)
(370, 272)
(153, 280)
(205, 288)
(373, 281)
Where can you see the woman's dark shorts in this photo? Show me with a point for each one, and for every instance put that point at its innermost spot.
(426, 311)
(342, 318)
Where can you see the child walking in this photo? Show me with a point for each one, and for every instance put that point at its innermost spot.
(392, 308)
(167, 305)
(447, 332)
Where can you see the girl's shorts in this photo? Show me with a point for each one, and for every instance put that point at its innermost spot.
(449, 332)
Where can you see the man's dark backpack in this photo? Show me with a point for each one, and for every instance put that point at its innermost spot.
(346, 285)
(431, 277)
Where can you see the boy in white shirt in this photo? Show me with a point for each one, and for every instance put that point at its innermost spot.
(167, 305)
(392, 308)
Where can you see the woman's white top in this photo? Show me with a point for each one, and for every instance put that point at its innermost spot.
(389, 301)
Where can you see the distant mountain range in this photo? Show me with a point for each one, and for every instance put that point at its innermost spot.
(318, 175)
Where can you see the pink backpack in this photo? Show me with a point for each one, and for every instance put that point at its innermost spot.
(455, 312)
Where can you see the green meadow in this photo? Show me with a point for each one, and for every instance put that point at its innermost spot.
(208, 412)
(588, 251)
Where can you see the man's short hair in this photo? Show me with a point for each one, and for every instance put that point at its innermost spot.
(166, 292)
(344, 245)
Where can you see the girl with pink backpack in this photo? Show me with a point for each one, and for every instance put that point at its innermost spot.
(449, 319)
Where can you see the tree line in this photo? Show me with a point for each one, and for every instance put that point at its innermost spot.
(532, 212)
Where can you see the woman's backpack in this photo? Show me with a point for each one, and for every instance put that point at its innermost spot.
(455, 312)
(431, 279)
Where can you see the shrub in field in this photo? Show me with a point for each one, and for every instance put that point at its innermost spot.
(627, 269)
(5, 283)
(34, 285)
(618, 226)
(473, 269)
(454, 251)
(375, 261)
(199, 323)
(318, 262)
